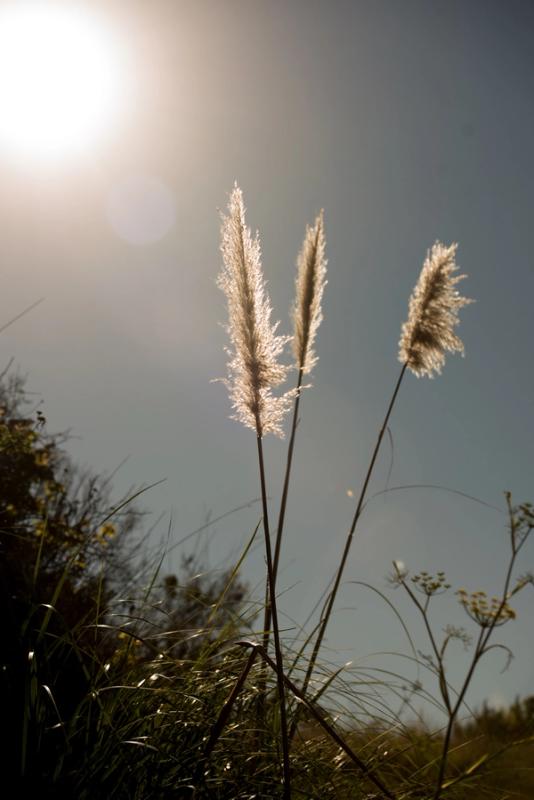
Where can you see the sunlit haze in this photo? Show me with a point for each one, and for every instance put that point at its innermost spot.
(60, 79)
(123, 127)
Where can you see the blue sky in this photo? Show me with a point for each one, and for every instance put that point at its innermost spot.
(407, 122)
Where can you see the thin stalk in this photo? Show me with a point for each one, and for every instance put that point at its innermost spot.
(330, 730)
(439, 654)
(308, 310)
(20, 314)
(276, 630)
(453, 713)
(332, 597)
(282, 512)
(480, 649)
(227, 708)
(283, 502)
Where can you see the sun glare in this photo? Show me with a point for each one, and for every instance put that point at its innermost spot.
(59, 79)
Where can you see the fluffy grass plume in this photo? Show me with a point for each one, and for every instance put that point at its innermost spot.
(309, 285)
(254, 366)
(433, 314)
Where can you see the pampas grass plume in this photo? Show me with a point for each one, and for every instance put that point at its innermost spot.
(433, 314)
(309, 285)
(254, 366)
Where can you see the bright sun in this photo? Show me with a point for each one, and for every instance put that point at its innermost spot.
(59, 78)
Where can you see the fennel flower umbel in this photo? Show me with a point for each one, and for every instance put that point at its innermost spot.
(309, 285)
(433, 314)
(253, 368)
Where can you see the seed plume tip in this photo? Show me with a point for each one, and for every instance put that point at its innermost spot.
(433, 309)
(310, 283)
(254, 367)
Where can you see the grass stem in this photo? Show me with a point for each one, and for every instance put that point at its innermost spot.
(332, 596)
(282, 512)
(276, 629)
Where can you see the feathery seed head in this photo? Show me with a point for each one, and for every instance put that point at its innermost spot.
(433, 314)
(309, 285)
(253, 367)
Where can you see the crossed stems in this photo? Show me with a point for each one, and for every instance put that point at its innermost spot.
(219, 725)
(329, 604)
(276, 631)
(481, 647)
(282, 512)
(328, 607)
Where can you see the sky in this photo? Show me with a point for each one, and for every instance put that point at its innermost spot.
(407, 122)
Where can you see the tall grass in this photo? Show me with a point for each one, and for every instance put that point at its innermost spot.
(124, 682)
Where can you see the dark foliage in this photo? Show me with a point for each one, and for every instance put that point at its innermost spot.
(65, 556)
